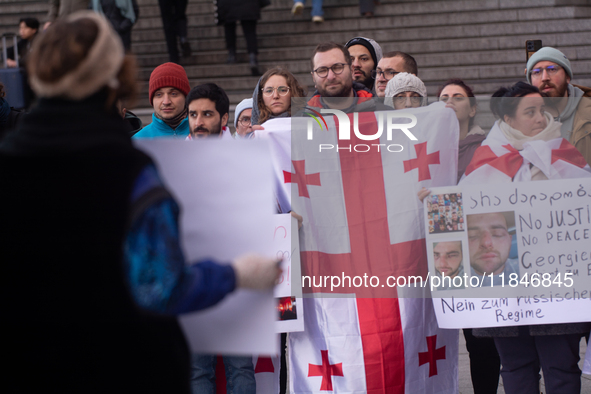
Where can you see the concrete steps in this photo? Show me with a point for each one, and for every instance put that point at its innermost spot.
(481, 41)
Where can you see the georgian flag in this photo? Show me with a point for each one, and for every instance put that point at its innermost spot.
(266, 373)
(497, 161)
(362, 215)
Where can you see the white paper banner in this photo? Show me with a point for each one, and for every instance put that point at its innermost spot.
(225, 193)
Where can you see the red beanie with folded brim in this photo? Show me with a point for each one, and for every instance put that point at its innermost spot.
(169, 75)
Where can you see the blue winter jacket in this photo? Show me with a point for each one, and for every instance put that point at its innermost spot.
(158, 129)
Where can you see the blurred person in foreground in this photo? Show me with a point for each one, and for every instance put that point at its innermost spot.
(93, 267)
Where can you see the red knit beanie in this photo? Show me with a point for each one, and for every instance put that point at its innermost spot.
(169, 75)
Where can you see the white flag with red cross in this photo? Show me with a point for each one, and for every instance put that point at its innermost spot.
(266, 373)
(497, 161)
(362, 217)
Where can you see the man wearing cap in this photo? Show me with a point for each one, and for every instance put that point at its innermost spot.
(391, 64)
(549, 70)
(168, 88)
(365, 55)
(242, 118)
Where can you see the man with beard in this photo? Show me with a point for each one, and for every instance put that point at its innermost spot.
(549, 70)
(365, 55)
(447, 257)
(333, 80)
(208, 106)
(168, 87)
(489, 244)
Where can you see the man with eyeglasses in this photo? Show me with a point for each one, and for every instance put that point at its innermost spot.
(391, 64)
(549, 70)
(333, 80)
(365, 55)
(406, 91)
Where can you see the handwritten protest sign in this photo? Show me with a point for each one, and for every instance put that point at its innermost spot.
(524, 249)
(225, 207)
(288, 292)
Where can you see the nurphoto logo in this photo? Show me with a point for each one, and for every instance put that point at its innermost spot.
(385, 120)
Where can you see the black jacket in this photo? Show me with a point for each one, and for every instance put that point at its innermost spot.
(236, 10)
(69, 320)
(113, 14)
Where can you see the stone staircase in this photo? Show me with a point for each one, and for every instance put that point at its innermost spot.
(481, 41)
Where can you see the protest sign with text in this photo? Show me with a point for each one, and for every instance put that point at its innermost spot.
(524, 249)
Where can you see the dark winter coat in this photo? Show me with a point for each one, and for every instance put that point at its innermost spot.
(113, 14)
(69, 319)
(466, 151)
(236, 10)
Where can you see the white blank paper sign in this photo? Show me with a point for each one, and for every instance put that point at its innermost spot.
(224, 189)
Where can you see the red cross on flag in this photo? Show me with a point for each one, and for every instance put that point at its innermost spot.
(266, 373)
(364, 217)
(498, 161)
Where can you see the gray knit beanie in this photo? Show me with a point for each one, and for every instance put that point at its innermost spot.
(244, 104)
(405, 82)
(549, 54)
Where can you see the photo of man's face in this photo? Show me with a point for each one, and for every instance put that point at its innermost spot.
(489, 242)
(447, 257)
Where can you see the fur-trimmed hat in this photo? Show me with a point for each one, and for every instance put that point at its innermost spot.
(169, 75)
(97, 70)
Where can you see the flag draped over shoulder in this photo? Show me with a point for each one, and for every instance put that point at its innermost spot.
(497, 161)
(362, 216)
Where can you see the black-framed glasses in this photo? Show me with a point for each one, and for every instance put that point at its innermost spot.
(244, 121)
(388, 73)
(413, 99)
(281, 90)
(336, 68)
(551, 70)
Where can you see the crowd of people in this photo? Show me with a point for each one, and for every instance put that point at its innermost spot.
(79, 128)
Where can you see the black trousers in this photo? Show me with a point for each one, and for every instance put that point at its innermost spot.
(249, 28)
(523, 356)
(174, 22)
(484, 363)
